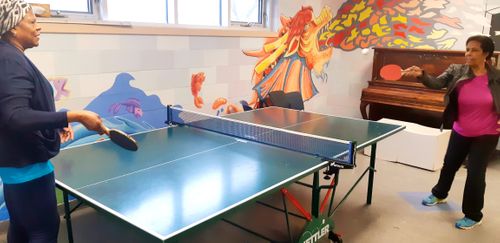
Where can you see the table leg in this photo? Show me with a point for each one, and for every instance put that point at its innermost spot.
(315, 195)
(67, 216)
(371, 173)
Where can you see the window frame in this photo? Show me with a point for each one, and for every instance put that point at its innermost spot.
(263, 10)
(97, 14)
(93, 14)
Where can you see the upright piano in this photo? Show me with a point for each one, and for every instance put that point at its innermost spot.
(407, 99)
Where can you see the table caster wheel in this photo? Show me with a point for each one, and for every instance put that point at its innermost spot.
(334, 238)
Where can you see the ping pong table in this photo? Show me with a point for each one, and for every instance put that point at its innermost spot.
(183, 176)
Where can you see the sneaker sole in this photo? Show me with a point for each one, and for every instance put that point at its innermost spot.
(436, 203)
(469, 227)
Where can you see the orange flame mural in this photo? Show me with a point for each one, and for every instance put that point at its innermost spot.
(390, 23)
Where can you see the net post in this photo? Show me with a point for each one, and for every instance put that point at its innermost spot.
(169, 115)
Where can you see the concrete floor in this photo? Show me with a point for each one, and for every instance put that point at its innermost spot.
(394, 216)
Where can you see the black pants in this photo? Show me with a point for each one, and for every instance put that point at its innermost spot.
(33, 212)
(479, 149)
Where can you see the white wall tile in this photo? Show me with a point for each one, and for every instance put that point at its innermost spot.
(73, 104)
(317, 103)
(239, 90)
(227, 74)
(247, 43)
(167, 97)
(219, 57)
(156, 59)
(246, 72)
(137, 42)
(160, 79)
(173, 43)
(237, 57)
(184, 98)
(56, 42)
(209, 42)
(187, 59)
(44, 61)
(90, 85)
(98, 42)
(121, 61)
(77, 62)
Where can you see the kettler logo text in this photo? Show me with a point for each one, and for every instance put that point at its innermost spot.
(318, 235)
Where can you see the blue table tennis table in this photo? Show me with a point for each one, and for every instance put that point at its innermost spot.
(183, 175)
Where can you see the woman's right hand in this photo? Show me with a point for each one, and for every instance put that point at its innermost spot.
(413, 72)
(89, 119)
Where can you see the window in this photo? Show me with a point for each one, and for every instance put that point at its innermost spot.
(246, 11)
(206, 12)
(76, 6)
(185, 12)
(152, 11)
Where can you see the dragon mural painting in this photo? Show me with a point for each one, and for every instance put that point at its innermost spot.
(305, 43)
(285, 62)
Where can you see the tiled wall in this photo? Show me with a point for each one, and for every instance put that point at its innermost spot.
(161, 65)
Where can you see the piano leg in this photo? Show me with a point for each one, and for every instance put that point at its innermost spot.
(362, 107)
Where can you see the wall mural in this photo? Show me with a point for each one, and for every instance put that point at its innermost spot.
(122, 107)
(305, 43)
(394, 23)
(285, 62)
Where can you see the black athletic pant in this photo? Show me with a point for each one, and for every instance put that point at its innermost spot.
(479, 151)
(33, 212)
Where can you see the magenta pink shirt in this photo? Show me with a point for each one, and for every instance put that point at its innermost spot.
(476, 111)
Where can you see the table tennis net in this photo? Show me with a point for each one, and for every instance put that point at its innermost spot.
(327, 148)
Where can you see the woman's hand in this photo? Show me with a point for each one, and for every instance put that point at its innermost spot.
(66, 134)
(413, 72)
(90, 120)
(498, 128)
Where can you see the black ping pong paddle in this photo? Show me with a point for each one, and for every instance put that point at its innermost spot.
(122, 139)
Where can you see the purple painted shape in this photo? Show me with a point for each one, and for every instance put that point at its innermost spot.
(131, 105)
(415, 199)
(59, 86)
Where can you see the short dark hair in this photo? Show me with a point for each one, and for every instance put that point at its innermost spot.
(487, 44)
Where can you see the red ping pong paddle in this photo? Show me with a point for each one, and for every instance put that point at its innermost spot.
(391, 72)
(122, 139)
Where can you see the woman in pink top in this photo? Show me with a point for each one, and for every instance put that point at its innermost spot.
(472, 111)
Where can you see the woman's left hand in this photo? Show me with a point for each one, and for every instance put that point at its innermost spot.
(498, 128)
(66, 134)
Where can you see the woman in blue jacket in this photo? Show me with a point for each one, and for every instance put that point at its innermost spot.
(30, 130)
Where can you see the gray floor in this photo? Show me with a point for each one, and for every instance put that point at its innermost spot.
(395, 215)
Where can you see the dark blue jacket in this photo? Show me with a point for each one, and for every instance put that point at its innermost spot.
(29, 124)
